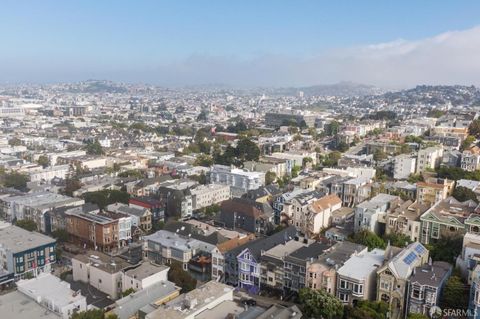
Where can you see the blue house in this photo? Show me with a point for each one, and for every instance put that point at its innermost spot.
(248, 258)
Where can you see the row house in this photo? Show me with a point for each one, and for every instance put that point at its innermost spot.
(429, 158)
(207, 195)
(232, 265)
(393, 276)
(357, 278)
(425, 287)
(236, 178)
(405, 220)
(249, 259)
(297, 263)
(88, 227)
(448, 218)
(155, 206)
(433, 190)
(320, 214)
(246, 214)
(280, 200)
(371, 214)
(140, 217)
(272, 264)
(356, 190)
(298, 208)
(470, 159)
(322, 273)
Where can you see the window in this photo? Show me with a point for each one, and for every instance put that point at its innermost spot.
(385, 285)
(343, 284)
(343, 297)
(358, 289)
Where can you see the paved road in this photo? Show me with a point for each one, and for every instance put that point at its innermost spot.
(262, 301)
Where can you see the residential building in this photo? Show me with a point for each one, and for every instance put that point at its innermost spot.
(144, 301)
(425, 287)
(322, 273)
(207, 195)
(156, 207)
(88, 227)
(470, 256)
(280, 200)
(404, 165)
(297, 263)
(237, 267)
(429, 158)
(23, 252)
(53, 294)
(49, 173)
(319, 215)
(272, 264)
(357, 278)
(405, 220)
(101, 271)
(242, 213)
(299, 207)
(140, 217)
(371, 214)
(471, 159)
(191, 304)
(393, 276)
(474, 298)
(143, 276)
(236, 178)
(355, 191)
(433, 190)
(447, 218)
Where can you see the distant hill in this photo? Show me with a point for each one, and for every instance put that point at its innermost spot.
(345, 89)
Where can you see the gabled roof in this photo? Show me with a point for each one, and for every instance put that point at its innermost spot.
(325, 202)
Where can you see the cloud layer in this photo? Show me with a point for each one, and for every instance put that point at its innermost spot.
(448, 58)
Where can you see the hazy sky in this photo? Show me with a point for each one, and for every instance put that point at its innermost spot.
(241, 42)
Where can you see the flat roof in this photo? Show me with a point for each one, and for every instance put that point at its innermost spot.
(17, 239)
(50, 287)
(145, 270)
(19, 306)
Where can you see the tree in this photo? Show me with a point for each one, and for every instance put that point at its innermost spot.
(15, 141)
(414, 178)
(94, 148)
(134, 173)
(128, 292)
(365, 309)
(295, 171)
(71, 185)
(320, 304)
(106, 197)
(474, 128)
(93, 314)
(342, 147)
(467, 142)
(247, 150)
(462, 194)
(203, 160)
(181, 278)
(61, 235)
(332, 128)
(15, 180)
(397, 240)
(446, 248)
(270, 177)
(417, 316)
(44, 161)
(455, 294)
(369, 239)
(26, 224)
(331, 159)
(379, 155)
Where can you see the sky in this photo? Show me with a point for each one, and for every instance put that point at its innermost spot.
(244, 43)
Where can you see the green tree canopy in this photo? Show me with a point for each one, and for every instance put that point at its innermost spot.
(462, 194)
(26, 224)
(43, 160)
(365, 309)
(247, 150)
(446, 249)
(181, 278)
(94, 148)
(15, 180)
(270, 177)
(455, 294)
(474, 128)
(369, 239)
(106, 197)
(320, 304)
